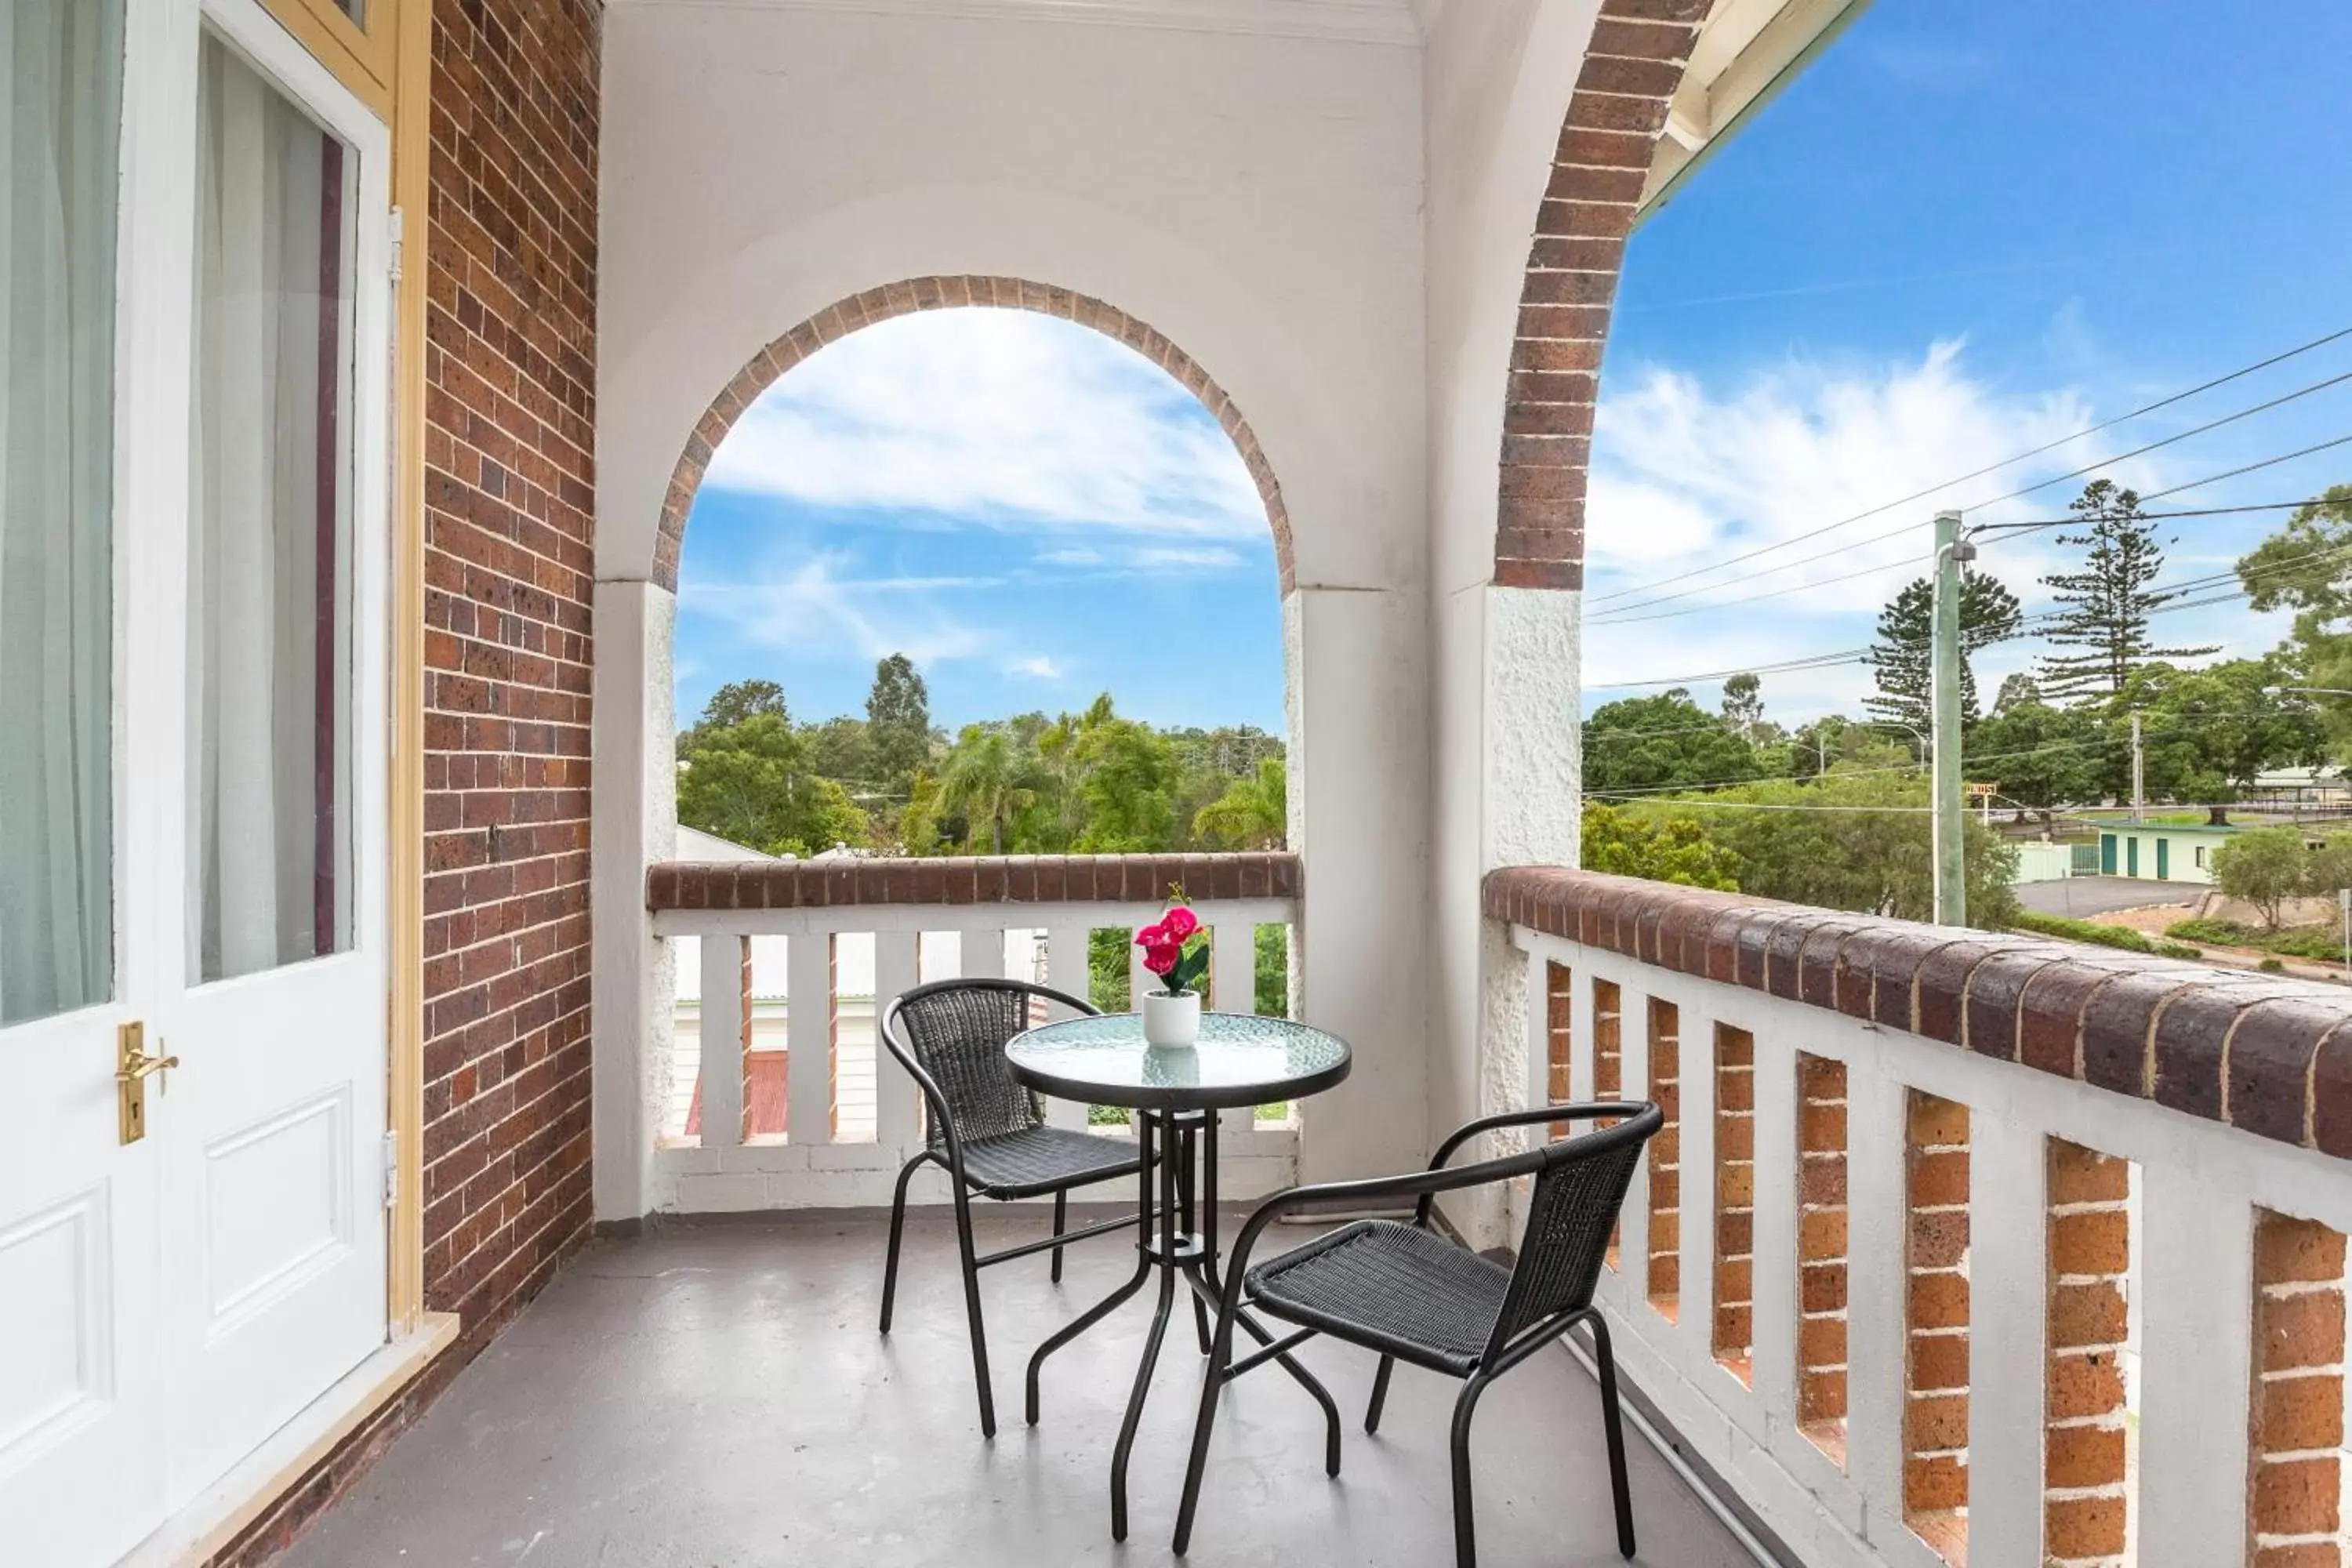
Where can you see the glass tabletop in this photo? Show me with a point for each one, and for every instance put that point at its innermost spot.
(1240, 1060)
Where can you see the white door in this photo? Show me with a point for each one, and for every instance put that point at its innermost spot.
(193, 324)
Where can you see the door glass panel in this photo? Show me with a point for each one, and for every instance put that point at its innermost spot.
(270, 653)
(60, 105)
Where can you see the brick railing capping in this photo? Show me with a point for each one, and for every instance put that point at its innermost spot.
(2268, 1055)
(969, 880)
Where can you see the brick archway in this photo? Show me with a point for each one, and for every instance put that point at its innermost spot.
(1631, 72)
(938, 293)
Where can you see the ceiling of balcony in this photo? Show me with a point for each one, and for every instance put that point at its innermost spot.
(1368, 21)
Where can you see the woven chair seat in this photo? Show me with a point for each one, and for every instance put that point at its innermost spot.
(1037, 1160)
(1392, 1288)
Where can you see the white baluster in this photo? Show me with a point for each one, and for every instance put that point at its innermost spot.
(1772, 1267)
(2008, 1232)
(808, 1071)
(722, 1041)
(898, 1115)
(1877, 1254)
(2195, 1370)
(1066, 971)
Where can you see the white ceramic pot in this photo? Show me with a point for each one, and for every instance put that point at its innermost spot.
(1172, 1020)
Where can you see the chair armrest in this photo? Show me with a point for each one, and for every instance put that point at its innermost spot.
(1576, 1111)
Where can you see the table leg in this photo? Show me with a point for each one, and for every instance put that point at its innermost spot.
(1146, 1142)
(1169, 1269)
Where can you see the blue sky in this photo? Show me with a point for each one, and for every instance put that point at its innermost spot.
(1034, 512)
(1964, 232)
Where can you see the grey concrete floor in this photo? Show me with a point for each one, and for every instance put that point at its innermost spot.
(715, 1395)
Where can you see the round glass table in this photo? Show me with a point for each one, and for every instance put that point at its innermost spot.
(1176, 1092)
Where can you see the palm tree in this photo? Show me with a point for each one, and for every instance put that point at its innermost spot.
(1253, 814)
(986, 780)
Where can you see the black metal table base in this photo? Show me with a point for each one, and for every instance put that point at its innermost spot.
(1184, 1248)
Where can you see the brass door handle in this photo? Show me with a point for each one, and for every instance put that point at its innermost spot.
(132, 1067)
(133, 1071)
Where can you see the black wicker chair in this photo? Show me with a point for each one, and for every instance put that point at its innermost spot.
(988, 1133)
(1412, 1295)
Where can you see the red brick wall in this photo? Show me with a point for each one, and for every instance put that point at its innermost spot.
(1665, 1161)
(1609, 1069)
(510, 574)
(1559, 998)
(1821, 1253)
(507, 256)
(1734, 1199)
(2085, 1447)
(1936, 1381)
(2296, 1481)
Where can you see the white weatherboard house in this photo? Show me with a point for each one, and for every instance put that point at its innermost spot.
(363, 359)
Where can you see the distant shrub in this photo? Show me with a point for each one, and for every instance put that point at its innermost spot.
(2072, 930)
(2178, 950)
(2271, 966)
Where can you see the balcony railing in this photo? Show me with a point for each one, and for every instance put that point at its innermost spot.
(774, 1104)
(1961, 1245)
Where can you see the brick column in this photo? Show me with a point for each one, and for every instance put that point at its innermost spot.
(1735, 1200)
(743, 1043)
(1559, 999)
(1609, 1069)
(1665, 1161)
(2295, 1448)
(1936, 1323)
(1821, 1253)
(2086, 1447)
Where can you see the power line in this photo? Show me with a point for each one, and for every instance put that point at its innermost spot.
(1994, 468)
(1982, 529)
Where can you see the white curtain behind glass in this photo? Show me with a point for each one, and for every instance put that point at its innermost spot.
(269, 529)
(60, 68)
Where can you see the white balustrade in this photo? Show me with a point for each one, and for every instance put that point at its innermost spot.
(809, 1163)
(2199, 1186)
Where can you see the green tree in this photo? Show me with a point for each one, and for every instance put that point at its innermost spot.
(897, 721)
(988, 780)
(2265, 867)
(730, 705)
(2306, 566)
(1645, 743)
(2208, 732)
(1901, 658)
(1743, 706)
(2104, 609)
(1868, 851)
(751, 783)
(1252, 812)
(1126, 778)
(2039, 757)
(838, 748)
(1658, 848)
(2017, 687)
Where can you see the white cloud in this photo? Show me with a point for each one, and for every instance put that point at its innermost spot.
(1004, 417)
(1685, 474)
(813, 610)
(1037, 666)
(1144, 558)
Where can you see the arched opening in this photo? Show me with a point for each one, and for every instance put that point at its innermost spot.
(1116, 751)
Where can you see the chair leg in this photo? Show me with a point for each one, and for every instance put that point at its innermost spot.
(1466, 1532)
(1061, 1217)
(972, 1309)
(897, 1224)
(1379, 1393)
(1619, 1492)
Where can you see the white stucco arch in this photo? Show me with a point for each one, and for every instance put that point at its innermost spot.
(1298, 287)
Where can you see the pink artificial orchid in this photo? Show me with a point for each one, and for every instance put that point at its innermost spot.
(1170, 952)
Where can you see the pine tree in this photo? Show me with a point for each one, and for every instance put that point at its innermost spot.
(1903, 659)
(898, 721)
(2104, 609)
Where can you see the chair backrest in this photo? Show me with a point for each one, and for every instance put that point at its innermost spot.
(1578, 1190)
(956, 1031)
